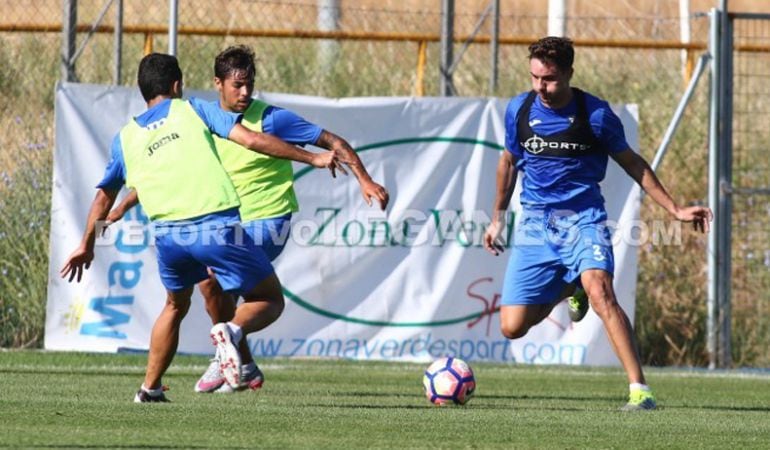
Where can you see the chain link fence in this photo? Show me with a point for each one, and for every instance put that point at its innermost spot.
(382, 49)
(751, 192)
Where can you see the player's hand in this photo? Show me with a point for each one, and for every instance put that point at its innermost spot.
(102, 225)
(700, 216)
(78, 261)
(337, 166)
(340, 160)
(324, 159)
(344, 157)
(115, 215)
(492, 240)
(371, 190)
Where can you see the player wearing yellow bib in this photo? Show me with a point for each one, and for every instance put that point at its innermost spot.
(167, 155)
(265, 186)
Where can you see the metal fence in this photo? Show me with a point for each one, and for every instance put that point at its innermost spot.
(368, 50)
(750, 288)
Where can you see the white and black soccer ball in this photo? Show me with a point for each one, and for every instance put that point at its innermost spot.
(449, 381)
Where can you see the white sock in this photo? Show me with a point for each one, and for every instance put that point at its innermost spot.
(249, 367)
(153, 392)
(235, 332)
(639, 386)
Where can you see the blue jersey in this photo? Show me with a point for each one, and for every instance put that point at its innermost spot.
(218, 121)
(563, 182)
(289, 127)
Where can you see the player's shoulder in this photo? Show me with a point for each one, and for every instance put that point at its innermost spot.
(595, 103)
(199, 103)
(268, 110)
(514, 105)
(285, 117)
(517, 100)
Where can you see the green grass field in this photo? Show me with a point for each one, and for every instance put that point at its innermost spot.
(76, 400)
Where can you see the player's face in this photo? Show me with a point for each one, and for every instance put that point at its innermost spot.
(550, 83)
(235, 91)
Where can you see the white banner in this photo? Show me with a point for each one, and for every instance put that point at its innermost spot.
(410, 283)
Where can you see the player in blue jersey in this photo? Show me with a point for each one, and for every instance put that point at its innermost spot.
(167, 155)
(560, 139)
(264, 185)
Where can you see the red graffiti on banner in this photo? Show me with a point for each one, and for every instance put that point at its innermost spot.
(491, 306)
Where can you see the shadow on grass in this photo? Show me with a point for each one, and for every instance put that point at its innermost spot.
(106, 373)
(721, 408)
(551, 397)
(487, 396)
(474, 405)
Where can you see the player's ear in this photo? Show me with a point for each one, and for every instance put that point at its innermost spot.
(176, 89)
(219, 83)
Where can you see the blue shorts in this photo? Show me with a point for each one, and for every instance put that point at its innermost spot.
(187, 248)
(270, 234)
(551, 249)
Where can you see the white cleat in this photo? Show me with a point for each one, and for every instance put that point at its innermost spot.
(229, 358)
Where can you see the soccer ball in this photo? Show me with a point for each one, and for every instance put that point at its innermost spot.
(449, 381)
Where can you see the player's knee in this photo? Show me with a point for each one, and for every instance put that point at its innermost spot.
(602, 298)
(210, 290)
(270, 292)
(276, 307)
(513, 330)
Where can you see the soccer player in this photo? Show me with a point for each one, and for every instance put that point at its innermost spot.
(264, 185)
(560, 139)
(167, 155)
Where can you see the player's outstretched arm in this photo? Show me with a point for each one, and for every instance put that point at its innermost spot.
(345, 154)
(272, 146)
(506, 182)
(81, 258)
(638, 169)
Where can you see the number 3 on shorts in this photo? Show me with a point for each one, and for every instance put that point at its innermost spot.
(599, 253)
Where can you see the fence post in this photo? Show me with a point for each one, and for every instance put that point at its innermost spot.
(557, 18)
(173, 22)
(447, 40)
(116, 78)
(69, 34)
(712, 310)
(149, 43)
(494, 46)
(328, 20)
(422, 56)
(720, 188)
(725, 184)
(684, 38)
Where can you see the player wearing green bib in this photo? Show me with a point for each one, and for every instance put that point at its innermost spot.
(167, 155)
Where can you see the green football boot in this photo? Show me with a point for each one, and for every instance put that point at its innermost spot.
(577, 305)
(640, 400)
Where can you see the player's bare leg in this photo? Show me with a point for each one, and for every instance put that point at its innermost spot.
(165, 336)
(598, 285)
(516, 320)
(261, 306)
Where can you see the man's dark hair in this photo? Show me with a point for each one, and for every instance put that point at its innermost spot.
(238, 58)
(157, 74)
(554, 50)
